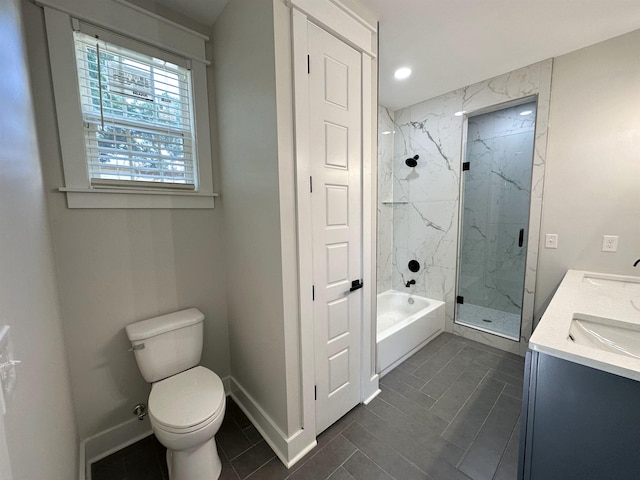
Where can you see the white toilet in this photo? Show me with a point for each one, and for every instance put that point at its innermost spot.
(187, 402)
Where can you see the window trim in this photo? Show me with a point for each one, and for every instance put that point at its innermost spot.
(60, 25)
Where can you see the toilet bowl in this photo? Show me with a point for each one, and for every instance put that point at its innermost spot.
(187, 402)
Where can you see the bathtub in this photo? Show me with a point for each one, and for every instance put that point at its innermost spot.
(405, 323)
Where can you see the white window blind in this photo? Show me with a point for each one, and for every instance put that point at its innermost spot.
(138, 117)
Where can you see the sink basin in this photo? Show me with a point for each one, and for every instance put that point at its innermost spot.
(605, 334)
(632, 284)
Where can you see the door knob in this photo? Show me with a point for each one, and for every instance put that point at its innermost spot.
(355, 285)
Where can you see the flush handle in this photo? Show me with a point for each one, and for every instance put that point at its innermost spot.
(139, 346)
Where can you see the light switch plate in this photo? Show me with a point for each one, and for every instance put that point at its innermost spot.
(551, 240)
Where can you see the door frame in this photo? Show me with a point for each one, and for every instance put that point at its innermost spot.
(345, 25)
(528, 274)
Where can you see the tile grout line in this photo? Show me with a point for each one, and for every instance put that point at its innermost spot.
(467, 401)
(233, 469)
(409, 399)
(258, 468)
(379, 466)
(515, 427)
(451, 385)
(300, 465)
(408, 460)
(480, 429)
(436, 374)
(346, 459)
(434, 354)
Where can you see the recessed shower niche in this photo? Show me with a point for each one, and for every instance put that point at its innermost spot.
(494, 219)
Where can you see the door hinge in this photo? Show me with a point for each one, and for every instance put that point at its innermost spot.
(466, 166)
(313, 293)
(315, 392)
(308, 64)
(460, 299)
(311, 184)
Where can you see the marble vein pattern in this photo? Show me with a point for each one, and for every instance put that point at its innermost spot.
(497, 190)
(385, 195)
(426, 228)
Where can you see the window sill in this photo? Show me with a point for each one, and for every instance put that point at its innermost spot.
(131, 198)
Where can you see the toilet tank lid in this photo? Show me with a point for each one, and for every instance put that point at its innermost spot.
(164, 323)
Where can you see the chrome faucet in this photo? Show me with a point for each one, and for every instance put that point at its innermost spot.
(409, 283)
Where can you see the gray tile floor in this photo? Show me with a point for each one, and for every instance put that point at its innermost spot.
(449, 412)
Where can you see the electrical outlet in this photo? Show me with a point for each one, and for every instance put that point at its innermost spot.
(551, 240)
(609, 243)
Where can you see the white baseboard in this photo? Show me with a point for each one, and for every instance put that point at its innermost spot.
(289, 449)
(110, 441)
(116, 438)
(370, 389)
(367, 400)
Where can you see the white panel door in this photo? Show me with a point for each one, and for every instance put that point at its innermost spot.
(336, 199)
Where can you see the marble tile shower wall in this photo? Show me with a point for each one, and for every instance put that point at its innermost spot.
(385, 197)
(497, 186)
(426, 227)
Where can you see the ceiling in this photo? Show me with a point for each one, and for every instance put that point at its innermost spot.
(452, 43)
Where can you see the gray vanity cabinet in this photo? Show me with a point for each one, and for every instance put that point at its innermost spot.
(578, 423)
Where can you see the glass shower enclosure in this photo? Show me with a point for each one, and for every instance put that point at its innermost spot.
(496, 193)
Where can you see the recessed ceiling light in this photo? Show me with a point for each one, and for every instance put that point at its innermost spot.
(460, 113)
(526, 112)
(402, 73)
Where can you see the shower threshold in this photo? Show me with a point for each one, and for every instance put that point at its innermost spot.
(496, 322)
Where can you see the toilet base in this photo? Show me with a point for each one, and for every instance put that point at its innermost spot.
(198, 463)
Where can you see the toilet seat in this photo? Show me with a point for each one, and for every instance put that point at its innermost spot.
(187, 402)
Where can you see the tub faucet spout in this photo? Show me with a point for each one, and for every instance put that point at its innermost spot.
(409, 283)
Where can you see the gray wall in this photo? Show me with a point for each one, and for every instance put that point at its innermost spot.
(118, 266)
(592, 184)
(39, 427)
(245, 81)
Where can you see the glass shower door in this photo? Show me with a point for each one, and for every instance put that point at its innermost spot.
(495, 219)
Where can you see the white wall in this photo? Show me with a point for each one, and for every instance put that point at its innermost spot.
(592, 184)
(115, 267)
(245, 78)
(39, 425)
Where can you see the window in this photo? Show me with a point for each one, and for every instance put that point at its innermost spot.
(132, 107)
(136, 111)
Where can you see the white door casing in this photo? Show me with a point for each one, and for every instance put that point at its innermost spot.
(335, 129)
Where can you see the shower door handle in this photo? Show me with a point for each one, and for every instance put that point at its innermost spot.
(521, 238)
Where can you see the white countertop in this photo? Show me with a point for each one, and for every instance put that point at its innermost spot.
(615, 297)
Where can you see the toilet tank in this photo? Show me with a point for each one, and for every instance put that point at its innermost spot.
(167, 345)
